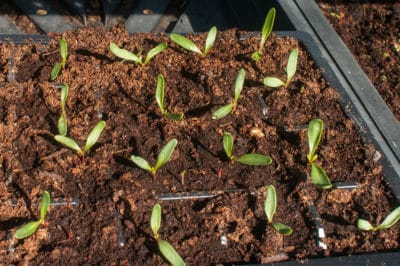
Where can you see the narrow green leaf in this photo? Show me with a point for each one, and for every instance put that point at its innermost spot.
(27, 230)
(291, 65)
(270, 203)
(125, 54)
(282, 228)
(227, 141)
(63, 51)
(256, 56)
(267, 27)
(170, 254)
(174, 116)
(222, 111)
(160, 93)
(153, 52)
(55, 71)
(364, 225)
(273, 82)
(239, 84)
(155, 220)
(64, 95)
(142, 163)
(319, 177)
(254, 159)
(390, 220)
(210, 39)
(94, 135)
(62, 125)
(314, 134)
(70, 143)
(165, 153)
(44, 205)
(185, 43)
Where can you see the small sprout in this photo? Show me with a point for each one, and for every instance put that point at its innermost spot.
(190, 46)
(226, 109)
(389, 221)
(64, 54)
(265, 32)
(165, 248)
(160, 100)
(290, 71)
(92, 138)
(270, 209)
(319, 177)
(163, 158)
(249, 159)
(62, 121)
(137, 58)
(31, 227)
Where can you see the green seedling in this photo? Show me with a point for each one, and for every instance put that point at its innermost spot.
(290, 71)
(226, 109)
(163, 158)
(249, 159)
(31, 227)
(160, 99)
(265, 32)
(136, 58)
(270, 209)
(166, 249)
(314, 134)
(60, 65)
(190, 46)
(388, 222)
(62, 121)
(92, 138)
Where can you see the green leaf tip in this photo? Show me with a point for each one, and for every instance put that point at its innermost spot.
(154, 51)
(212, 33)
(68, 142)
(265, 32)
(227, 141)
(185, 43)
(319, 177)
(282, 228)
(63, 51)
(270, 203)
(155, 220)
(314, 135)
(55, 71)
(388, 222)
(168, 251)
(165, 153)
(44, 205)
(254, 159)
(125, 54)
(222, 111)
(291, 66)
(94, 135)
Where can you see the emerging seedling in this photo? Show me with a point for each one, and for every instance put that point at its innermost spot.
(62, 121)
(290, 71)
(31, 227)
(226, 109)
(58, 66)
(166, 249)
(92, 138)
(190, 46)
(160, 100)
(270, 209)
(163, 158)
(389, 221)
(265, 32)
(137, 58)
(314, 134)
(249, 159)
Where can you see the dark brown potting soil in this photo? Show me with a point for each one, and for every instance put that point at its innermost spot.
(371, 30)
(110, 223)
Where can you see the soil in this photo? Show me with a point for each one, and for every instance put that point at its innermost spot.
(371, 30)
(110, 223)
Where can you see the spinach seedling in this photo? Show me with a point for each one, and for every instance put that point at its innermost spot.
(290, 71)
(388, 222)
(226, 109)
(265, 32)
(31, 227)
(163, 158)
(314, 134)
(137, 58)
(190, 46)
(166, 249)
(62, 121)
(58, 66)
(249, 159)
(92, 138)
(270, 209)
(160, 99)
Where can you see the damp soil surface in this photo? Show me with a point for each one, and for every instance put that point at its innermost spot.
(108, 200)
(371, 30)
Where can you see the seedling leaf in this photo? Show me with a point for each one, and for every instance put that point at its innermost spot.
(27, 229)
(55, 71)
(175, 116)
(222, 111)
(155, 220)
(44, 205)
(254, 159)
(165, 153)
(282, 228)
(70, 143)
(270, 203)
(125, 54)
(314, 134)
(239, 84)
(227, 141)
(63, 51)
(291, 65)
(364, 225)
(160, 93)
(267, 27)
(170, 254)
(142, 163)
(153, 52)
(64, 95)
(319, 177)
(185, 43)
(62, 125)
(390, 220)
(210, 39)
(94, 135)
(256, 56)
(273, 82)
